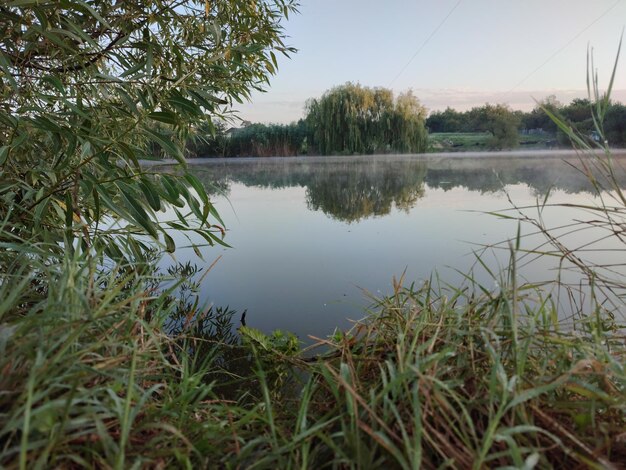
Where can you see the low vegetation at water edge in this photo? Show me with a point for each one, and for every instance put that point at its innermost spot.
(371, 123)
(473, 377)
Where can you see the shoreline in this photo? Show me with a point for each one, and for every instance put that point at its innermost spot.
(565, 153)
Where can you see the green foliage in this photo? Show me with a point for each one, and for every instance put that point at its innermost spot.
(433, 376)
(88, 89)
(498, 120)
(533, 139)
(448, 120)
(502, 123)
(207, 139)
(615, 124)
(538, 119)
(578, 116)
(274, 140)
(253, 140)
(426, 382)
(351, 119)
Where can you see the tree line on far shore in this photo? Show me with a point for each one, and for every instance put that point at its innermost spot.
(577, 114)
(352, 119)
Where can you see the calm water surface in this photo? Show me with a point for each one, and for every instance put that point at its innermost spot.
(310, 236)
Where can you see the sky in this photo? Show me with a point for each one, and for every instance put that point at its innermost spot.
(457, 53)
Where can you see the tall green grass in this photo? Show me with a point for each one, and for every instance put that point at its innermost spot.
(433, 377)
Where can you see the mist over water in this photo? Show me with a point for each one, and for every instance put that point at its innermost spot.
(311, 237)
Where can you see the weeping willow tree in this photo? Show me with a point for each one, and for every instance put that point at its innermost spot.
(353, 119)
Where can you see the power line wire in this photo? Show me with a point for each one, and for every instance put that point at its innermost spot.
(425, 42)
(549, 59)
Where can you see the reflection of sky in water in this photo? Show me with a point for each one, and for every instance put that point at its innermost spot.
(301, 267)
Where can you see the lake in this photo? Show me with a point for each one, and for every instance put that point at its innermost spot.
(312, 236)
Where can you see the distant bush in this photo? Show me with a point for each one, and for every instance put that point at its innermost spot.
(208, 140)
(499, 120)
(274, 140)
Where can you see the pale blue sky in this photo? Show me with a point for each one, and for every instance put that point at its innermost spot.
(485, 51)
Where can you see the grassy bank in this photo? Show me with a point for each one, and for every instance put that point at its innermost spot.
(480, 141)
(471, 377)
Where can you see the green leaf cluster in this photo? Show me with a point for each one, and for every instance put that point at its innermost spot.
(91, 88)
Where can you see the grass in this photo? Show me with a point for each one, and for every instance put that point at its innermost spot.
(479, 141)
(432, 381)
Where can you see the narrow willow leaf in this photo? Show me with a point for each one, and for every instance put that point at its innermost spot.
(170, 245)
(94, 13)
(197, 185)
(40, 211)
(4, 153)
(184, 105)
(134, 69)
(151, 193)
(167, 145)
(57, 40)
(128, 100)
(211, 238)
(138, 213)
(130, 152)
(167, 117)
(56, 83)
(172, 194)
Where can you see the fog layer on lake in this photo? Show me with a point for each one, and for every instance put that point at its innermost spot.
(314, 238)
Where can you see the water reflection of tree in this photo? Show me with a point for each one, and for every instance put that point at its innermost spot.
(541, 175)
(351, 189)
(344, 189)
(352, 193)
